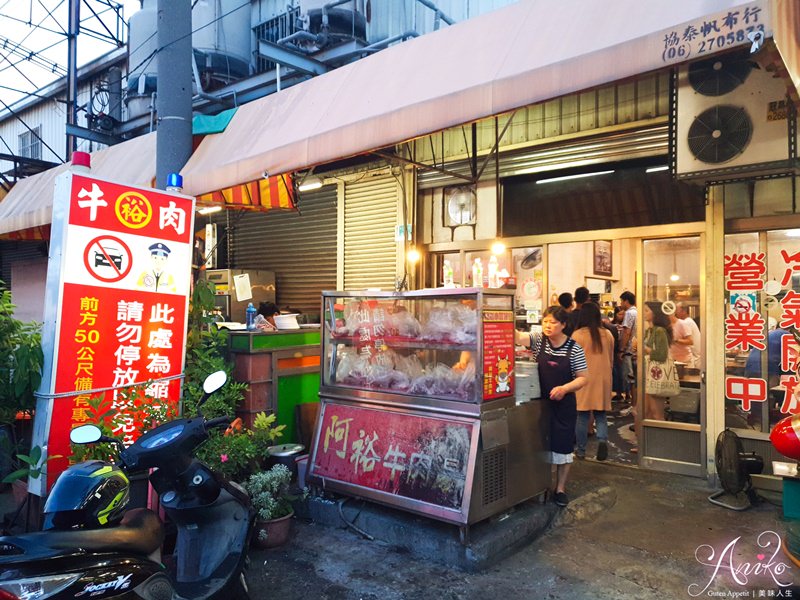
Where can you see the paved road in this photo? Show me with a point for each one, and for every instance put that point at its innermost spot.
(628, 534)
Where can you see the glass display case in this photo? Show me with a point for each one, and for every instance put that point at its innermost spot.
(418, 407)
(444, 344)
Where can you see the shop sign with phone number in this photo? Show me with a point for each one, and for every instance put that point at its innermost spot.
(714, 33)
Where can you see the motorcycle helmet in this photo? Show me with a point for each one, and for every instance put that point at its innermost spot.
(87, 495)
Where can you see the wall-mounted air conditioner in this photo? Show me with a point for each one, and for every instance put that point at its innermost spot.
(733, 118)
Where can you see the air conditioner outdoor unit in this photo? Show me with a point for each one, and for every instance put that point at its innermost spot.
(733, 118)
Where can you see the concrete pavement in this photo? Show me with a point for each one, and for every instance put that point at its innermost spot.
(627, 534)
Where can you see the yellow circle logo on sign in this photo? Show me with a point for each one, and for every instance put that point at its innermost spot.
(133, 210)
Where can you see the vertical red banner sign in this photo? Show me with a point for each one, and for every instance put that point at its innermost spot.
(498, 354)
(116, 306)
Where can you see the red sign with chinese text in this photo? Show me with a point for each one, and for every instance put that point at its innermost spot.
(423, 458)
(498, 354)
(122, 284)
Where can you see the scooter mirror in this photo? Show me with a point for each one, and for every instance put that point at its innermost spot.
(85, 434)
(214, 381)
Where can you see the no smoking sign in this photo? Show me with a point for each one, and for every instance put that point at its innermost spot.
(107, 258)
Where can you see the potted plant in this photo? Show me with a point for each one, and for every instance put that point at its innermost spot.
(21, 360)
(29, 466)
(272, 500)
(239, 452)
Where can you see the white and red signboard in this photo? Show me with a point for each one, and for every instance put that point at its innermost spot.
(117, 297)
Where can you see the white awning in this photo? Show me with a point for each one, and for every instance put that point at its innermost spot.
(30, 202)
(527, 52)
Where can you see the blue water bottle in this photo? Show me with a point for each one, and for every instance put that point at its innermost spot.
(250, 317)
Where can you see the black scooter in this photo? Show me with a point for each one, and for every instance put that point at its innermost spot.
(213, 517)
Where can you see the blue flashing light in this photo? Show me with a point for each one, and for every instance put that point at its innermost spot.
(174, 180)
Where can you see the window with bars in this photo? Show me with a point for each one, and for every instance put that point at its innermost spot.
(30, 143)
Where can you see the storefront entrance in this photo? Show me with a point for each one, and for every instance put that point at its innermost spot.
(671, 360)
(659, 428)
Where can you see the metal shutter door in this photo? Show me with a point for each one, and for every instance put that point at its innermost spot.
(299, 248)
(370, 216)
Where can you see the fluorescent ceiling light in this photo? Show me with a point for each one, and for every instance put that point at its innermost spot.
(656, 169)
(312, 182)
(207, 210)
(581, 176)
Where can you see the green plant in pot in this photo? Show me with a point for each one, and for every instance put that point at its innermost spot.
(272, 499)
(21, 360)
(239, 452)
(28, 466)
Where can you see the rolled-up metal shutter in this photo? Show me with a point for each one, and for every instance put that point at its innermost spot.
(638, 143)
(370, 216)
(299, 247)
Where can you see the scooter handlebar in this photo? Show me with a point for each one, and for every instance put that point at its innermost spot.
(218, 422)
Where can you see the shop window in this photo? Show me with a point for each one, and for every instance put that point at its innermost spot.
(614, 198)
(762, 287)
(760, 198)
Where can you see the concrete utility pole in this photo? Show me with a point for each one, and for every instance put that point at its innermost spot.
(174, 88)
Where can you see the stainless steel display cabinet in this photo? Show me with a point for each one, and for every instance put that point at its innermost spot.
(418, 408)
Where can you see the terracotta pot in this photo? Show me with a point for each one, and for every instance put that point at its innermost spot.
(19, 490)
(272, 533)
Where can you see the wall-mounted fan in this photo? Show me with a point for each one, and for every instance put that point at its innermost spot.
(734, 467)
(719, 75)
(461, 206)
(720, 134)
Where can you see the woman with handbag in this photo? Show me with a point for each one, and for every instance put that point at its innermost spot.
(595, 398)
(661, 379)
(562, 372)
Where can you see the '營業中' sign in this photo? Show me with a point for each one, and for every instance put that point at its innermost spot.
(422, 458)
(116, 306)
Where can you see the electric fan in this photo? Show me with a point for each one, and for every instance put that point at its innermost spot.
(720, 75)
(720, 133)
(734, 467)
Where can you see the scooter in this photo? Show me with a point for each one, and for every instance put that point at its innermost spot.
(91, 547)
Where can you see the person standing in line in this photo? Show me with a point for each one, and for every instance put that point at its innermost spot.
(680, 350)
(616, 378)
(595, 397)
(627, 344)
(581, 297)
(565, 300)
(656, 346)
(697, 348)
(562, 372)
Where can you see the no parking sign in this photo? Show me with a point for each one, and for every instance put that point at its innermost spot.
(117, 296)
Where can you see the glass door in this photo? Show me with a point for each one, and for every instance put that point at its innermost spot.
(671, 361)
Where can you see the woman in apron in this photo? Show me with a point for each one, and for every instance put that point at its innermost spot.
(562, 371)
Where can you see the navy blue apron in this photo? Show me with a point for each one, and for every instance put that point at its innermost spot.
(553, 372)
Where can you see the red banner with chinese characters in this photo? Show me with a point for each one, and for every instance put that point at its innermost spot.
(120, 270)
(423, 458)
(498, 354)
(746, 329)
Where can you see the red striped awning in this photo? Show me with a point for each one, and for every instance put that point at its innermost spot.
(262, 195)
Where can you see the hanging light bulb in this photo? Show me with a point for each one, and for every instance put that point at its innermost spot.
(674, 276)
(413, 256)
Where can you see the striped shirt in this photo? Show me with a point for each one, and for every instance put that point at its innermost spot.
(577, 360)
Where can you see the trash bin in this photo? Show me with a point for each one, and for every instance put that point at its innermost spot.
(285, 454)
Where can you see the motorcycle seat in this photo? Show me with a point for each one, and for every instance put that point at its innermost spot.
(139, 532)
